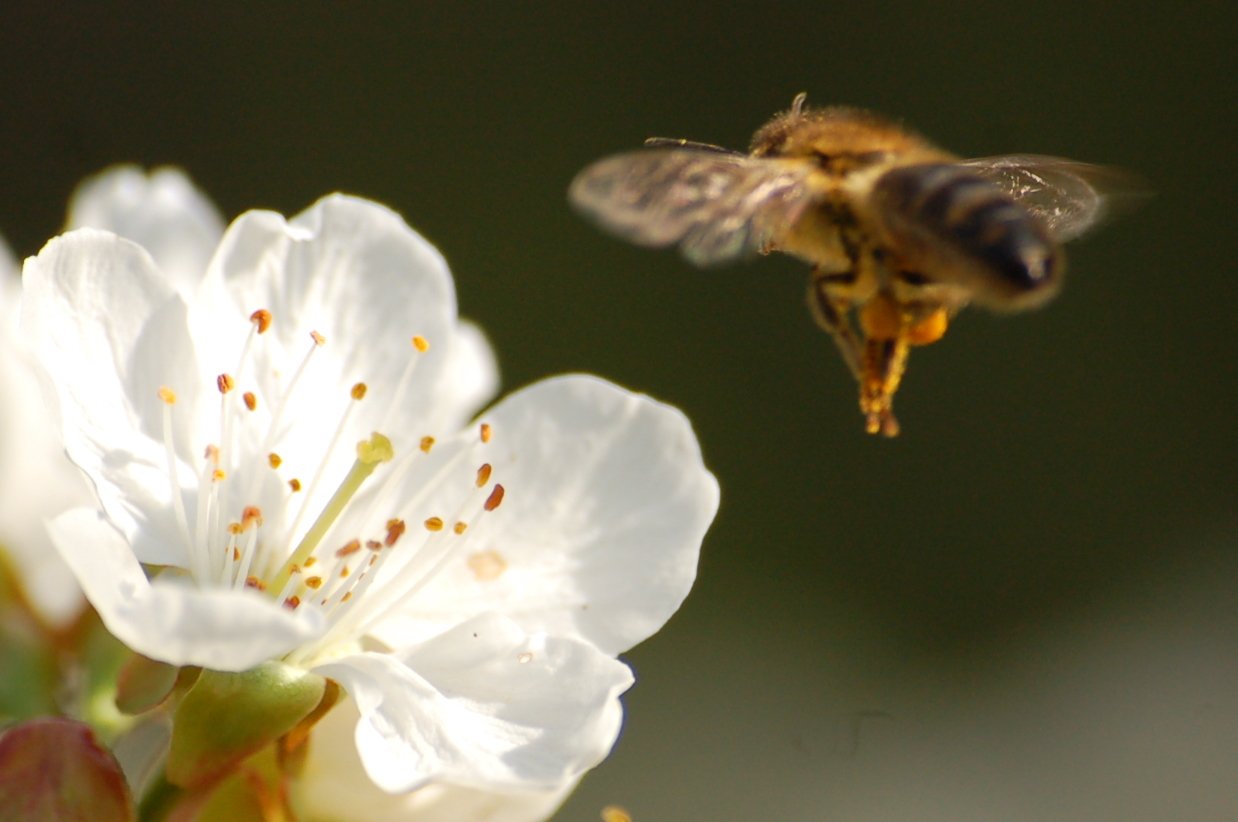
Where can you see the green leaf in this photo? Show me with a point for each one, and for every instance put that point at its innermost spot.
(226, 717)
(56, 769)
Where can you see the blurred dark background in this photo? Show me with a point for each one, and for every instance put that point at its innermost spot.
(1022, 608)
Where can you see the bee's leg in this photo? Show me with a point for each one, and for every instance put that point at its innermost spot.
(829, 300)
(885, 360)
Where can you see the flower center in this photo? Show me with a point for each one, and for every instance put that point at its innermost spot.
(231, 545)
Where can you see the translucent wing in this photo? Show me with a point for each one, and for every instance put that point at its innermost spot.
(715, 206)
(1068, 196)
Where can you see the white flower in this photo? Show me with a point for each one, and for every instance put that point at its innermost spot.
(469, 586)
(333, 787)
(167, 215)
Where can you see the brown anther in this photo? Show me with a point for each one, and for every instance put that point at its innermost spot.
(353, 546)
(311, 562)
(421, 343)
(294, 484)
(225, 383)
(252, 581)
(358, 391)
(347, 596)
(167, 395)
(318, 338)
(293, 602)
(235, 528)
(486, 432)
(345, 572)
(426, 444)
(483, 475)
(274, 460)
(434, 524)
(460, 527)
(251, 401)
(395, 530)
(211, 452)
(373, 544)
(219, 475)
(262, 319)
(250, 514)
(236, 554)
(313, 583)
(495, 499)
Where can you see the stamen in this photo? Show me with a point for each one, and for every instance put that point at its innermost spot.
(434, 524)
(168, 397)
(495, 499)
(431, 557)
(275, 460)
(426, 444)
(483, 475)
(486, 432)
(370, 454)
(278, 412)
(225, 383)
(401, 387)
(357, 393)
(251, 401)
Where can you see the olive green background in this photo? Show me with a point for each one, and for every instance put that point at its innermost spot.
(1024, 607)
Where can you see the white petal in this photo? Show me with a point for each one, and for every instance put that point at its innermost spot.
(10, 286)
(607, 502)
(161, 211)
(333, 785)
(169, 620)
(353, 271)
(470, 381)
(483, 705)
(36, 481)
(110, 331)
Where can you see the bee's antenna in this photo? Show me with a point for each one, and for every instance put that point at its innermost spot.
(797, 105)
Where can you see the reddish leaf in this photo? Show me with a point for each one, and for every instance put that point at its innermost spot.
(56, 769)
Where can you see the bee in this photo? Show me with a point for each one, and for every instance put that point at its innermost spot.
(900, 234)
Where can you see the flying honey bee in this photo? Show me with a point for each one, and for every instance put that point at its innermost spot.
(898, 232)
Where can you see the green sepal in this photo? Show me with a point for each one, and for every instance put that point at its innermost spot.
(225, 717)
(143, 684)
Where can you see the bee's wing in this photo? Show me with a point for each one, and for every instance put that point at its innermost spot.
(1068, 196)
(715, 206)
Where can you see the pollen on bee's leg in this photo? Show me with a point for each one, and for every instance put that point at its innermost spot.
(930, 329)
(880, 319)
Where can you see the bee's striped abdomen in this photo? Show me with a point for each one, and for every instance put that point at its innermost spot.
(956, 226)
